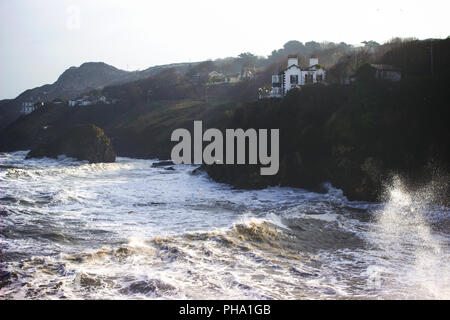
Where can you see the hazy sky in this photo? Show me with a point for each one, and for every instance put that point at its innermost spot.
(41, 39)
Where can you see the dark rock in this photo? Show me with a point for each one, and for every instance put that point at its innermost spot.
(198, 170)
(8, 199)
(4, 275)
(170, 169)
(88, 281)
(83, 142)
(162, 164)
(153, 286)
(301, 273)
(8, 167)
(240, 176)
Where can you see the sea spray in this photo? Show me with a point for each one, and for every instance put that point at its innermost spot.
(414, 256)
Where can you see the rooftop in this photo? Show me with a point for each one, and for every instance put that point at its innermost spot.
(385, 67)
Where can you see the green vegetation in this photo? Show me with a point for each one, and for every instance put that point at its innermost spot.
(354, 136)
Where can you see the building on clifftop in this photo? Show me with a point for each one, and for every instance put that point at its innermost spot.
(294, 76)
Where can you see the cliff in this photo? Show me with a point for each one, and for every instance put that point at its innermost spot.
(355, 137)
(83, 142)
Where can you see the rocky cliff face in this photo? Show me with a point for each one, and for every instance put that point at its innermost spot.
(354, 137)
(83, 142)
(357, 138)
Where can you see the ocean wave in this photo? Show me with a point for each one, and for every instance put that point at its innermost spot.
(72, 230)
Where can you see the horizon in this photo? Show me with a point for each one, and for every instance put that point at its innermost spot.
(51, 37)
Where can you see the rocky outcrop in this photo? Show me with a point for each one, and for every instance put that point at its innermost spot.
(357, 138)
(162, 164)
(83, 142)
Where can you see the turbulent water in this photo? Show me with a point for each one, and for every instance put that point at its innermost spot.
(71, 230)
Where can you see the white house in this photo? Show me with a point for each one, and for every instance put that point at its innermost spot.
(387, 72)
(233, 78)
(29, 107)
(293, 76)
(87, 101)
(84, 102)
(248, 73)
(214, 75)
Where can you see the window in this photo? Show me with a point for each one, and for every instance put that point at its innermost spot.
(275, 79)
(309, 78)
(294, 79)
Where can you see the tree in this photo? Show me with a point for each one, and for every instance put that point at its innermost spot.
(365, 73)
(312, 47)
(276, 55)
(292, 47)
(199, 73)
(248, 59)
(370, 44)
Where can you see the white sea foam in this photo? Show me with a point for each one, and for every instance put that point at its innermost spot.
(127, 230)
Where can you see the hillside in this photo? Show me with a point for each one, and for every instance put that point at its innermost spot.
(90, 75)
(76, 81)
(355, 137)
(139, 125)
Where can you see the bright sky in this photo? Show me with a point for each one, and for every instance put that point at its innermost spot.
(41, 39)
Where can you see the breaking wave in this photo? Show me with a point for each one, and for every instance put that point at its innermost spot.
(73, 230)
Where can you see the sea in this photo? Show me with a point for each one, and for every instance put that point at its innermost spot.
(127, 230)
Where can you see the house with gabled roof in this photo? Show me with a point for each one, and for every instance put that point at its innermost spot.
(294, 76)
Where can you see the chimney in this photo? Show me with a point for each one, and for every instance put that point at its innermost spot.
(292, 60)
(313, 61)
